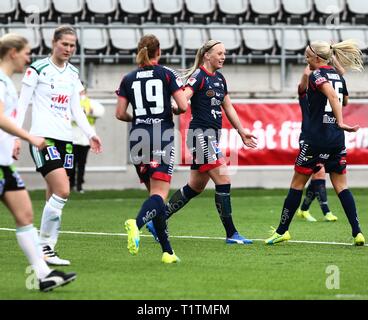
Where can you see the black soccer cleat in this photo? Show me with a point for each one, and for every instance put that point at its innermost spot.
(56, 279)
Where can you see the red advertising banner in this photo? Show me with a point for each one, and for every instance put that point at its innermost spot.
(277, 126)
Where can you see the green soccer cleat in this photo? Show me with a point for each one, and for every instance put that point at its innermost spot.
(170, 258)
(305, 215)
(329, 217)
(133, 236)
(359, 240)
(276, 238)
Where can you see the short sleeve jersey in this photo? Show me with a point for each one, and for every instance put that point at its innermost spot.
(9, 99)
(303, 103)
(209, 91)
(323, 130)
(51, 100)
(149, 90)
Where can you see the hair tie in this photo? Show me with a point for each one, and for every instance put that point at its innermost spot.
(331, 47)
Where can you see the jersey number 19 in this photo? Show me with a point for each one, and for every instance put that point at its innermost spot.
(154, 93)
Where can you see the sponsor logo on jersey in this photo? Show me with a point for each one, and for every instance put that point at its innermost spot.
(329, 120)
(148, 121)
(216, 113)
(215, 102)
(210, 93)
(60, 98)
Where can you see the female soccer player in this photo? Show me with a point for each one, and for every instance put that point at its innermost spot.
(149, 89)
(207, 90)
(14, 54)
(317, 184)
(324, 142)
(53, 85)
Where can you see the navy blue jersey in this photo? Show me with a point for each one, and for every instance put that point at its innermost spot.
(323, 130)
(149, 90)
(209, 91)
(303, 102)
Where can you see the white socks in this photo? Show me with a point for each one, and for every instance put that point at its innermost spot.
(51, 221)
(29, 242)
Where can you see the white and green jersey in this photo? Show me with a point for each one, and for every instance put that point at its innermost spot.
(9, 98)
(55, 96)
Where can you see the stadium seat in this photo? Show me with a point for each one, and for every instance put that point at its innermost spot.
(265, 11)
(167, 11)
(235, 11)
(124, 41)
(200, 11)
(68, 11)
(194, 38)
(328, 10)
(166, 37)
(47, 32)
(2, 31)
(360, 35)
(33, 10)
(95, 40)
(101, 11)
(8, 11)
(231, 38)
(296, 12)
(295, 42)
(357, 11)
(136, 11)
(323, 34)
(32, 35)
(258, 42)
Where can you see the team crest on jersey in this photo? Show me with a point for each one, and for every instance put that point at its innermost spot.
(210, 93)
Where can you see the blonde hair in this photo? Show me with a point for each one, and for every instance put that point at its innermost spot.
(10, 41)
(207, 47)
(347, 53)
(147, 49)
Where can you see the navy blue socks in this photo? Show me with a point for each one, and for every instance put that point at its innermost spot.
(291, 204)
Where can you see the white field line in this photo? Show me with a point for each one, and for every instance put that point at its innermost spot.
(188, 237)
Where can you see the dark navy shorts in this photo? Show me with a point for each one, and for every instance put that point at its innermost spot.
(311, 159)
(204, 147)
(152, 152)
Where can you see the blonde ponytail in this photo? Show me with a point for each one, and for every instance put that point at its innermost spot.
(347, 53)
(142, 57)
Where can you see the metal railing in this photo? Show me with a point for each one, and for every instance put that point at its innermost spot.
(281, 58)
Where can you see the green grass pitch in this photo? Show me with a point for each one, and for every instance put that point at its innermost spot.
(210, 269)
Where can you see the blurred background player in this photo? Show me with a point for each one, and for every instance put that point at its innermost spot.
(53, 85)
(14, 54)
(93, 110)
(149, 89)
(324, 142)
(317, 184)
(207, 90)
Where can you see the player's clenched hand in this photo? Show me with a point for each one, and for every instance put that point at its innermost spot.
(96, 144)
